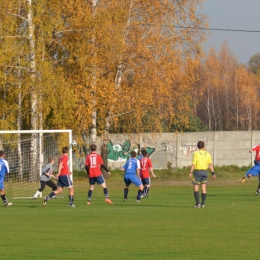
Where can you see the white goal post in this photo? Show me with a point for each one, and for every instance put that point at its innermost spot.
(27, 151)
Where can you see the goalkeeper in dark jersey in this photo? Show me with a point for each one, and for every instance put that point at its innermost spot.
(45, 178)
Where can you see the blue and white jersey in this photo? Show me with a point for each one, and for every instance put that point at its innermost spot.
(131, 165)
(4, 167)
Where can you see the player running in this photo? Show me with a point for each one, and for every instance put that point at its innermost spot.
(64, 179)
(146, 168)
(255, 170)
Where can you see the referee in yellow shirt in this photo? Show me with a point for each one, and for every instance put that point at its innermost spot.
(200, 163)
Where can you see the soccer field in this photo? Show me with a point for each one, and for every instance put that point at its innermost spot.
(165, 226)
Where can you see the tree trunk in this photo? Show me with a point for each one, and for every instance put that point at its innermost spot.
(19, 125)
(93, 129)
(34, 146)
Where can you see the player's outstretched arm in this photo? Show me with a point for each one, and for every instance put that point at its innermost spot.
(53, 176)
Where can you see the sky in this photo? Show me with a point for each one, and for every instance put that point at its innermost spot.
(237, 15)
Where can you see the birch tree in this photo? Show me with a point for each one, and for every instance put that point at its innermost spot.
(24, 30)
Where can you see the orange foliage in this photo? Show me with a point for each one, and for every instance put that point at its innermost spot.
(227, 93)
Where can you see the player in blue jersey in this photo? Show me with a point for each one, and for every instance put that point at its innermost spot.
(255, 170)
(132, 175)
(4, 169)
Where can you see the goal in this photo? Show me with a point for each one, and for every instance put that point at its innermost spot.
(27, 152)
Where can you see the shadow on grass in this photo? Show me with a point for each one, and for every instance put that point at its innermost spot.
(216, 195)
(132, 204)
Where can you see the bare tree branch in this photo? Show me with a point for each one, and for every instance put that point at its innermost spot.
(70, 30)
(13, 36)
(17, 67)
(16, 15)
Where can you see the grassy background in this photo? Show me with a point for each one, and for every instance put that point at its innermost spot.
(165, 226)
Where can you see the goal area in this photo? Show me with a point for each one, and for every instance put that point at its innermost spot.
(27, 152)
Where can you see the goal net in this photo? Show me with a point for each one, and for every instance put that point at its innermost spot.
(27, 152)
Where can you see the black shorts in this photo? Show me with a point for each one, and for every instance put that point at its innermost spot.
(200, 177)
(99, 180)
(49, 183)
(64, 181)
(146, 181)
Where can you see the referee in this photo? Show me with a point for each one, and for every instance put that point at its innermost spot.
(200, 163)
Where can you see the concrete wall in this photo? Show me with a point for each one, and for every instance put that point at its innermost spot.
(176, 149)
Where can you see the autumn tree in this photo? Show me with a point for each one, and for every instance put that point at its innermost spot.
(101, 65)
(248, 105)
(254, 63)
(141, 60)
(224, 89)
(27, 28)
(159, 60)
(33, 58)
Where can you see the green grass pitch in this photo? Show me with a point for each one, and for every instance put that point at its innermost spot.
(165, 226)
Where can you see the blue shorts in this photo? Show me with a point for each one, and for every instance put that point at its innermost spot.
(146, 181)
(132, 178)
(64, 181)
(99, 180)
(255, 170)
(2, 183)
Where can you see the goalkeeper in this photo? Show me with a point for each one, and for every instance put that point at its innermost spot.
(45, 178)
(255, 170)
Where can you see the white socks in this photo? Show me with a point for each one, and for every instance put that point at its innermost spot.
(37, 194)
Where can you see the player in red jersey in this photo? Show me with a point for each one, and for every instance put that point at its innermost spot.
(63, 179)
(93, 163)
(146, 168)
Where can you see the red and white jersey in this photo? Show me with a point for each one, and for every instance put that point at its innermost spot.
(64, 159)
(145, 164)
(94, 161)
(256, 149)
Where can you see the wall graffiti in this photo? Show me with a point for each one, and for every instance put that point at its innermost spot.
(161, 151)
(170, 149)
(167, 147)
(175, 149)
(189, 147)
(121, 152)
